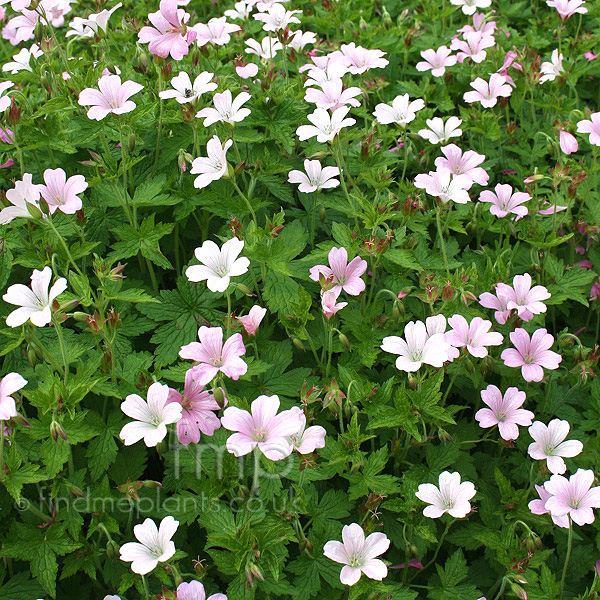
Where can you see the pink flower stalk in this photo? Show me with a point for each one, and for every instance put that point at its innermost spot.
(592, 127)
(549, 444)
(567, 8)
(226, 109)
(504, 202)
(316, 177)
(440, 132)
(61, 193)
(553, 69)
(504, 411)
(261, 428)
(473, 336)
(9, 384)
(332, 95)
(169, 34)
(214, 356)
(194, 590)
(325, 126)
(307, 439)
(526, 300)
(498, 303)
(198, 409)
(246, 71)
(216, 32)
(473, 46)
(531, 354)
(402, 111)
(358, 555)
(574, 497)
(568, 142)
(538, 507)
(450, 497)
(113, 97)
(24, 195)
(470, 6)
(487, 93)
(459, 163)
(253, 319)
(444, 185)
(359, 59)
(346, 276)
(436, 60)
(329, 303)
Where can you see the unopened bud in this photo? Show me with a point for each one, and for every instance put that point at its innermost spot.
(298, 343)
(518, 591)
(245, 290)
(112, 549)
(56, 430)
(344, 341)
(322, 214)
(131, 142)
(219, 397)
(20, 420)
(76, 492)
(412, 382)
(363, 24)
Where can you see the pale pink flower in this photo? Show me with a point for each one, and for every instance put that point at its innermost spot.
(487, 93)
(358, 555)
(526, 300)
(155, 545)
(5, 100)
(213, 356)
(549, 208)
(90, 26)
(316, 177)
(437, 324)
(184, 91)
(473, 336)
(504, 411)
(419, 348)
(460, 163)
(590, 55)
(470, 6)
(263, 5)
(595, 291)
(444, 185)
(538, 507)
(21, 60)
(567, 8)
(11, 383)
(261, 428)
(61, 193)
(550, 444)
(473, 46)
(306, 439)
(440, 132)
(436, 60)
(151, 416)
(325, 68)
(113, 97)
(592, 127)
(35, 303)
(329, 303)
(218, 264)
(498, 303)
(23, 26)
(531, 354)
(241, 10)
(504, 202)
(402, 111)
(332, 95)
(479, 24)
(450, 497)
(226, 110)
(24, 194)
(359, 59)
(277, 17)
(212, 167)
(246, 71)
(253, 319)
(216, 32)
(574, 497)
(300, 39)
(266, 49)
(346, 276)
(553, 69)
(194, 590)
(325, 126)
(568, 142)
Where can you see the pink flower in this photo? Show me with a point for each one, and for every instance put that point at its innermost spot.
(214, 356)
(329, 303)
(194, 590)
(332, 95)
(574, 497)
(216, 32)
(459, 163)
(498, 303)
(531, 354)
(473, 46)
(61, 193)
(169, 34)
(451, 497)
(23, 26)
(261, 428)
(10, 383)
(437, 324)
(23, 196)
(5, 100)
(113, 97)
(402, 111)
(359, 59)
(436, 60)
(198, 409)
(346, 276)
(504, 411)
(595, 291)
(316, 177)
(474, 336)
(567, 8)
(538, 507)
(358, 555)
(253, 319)
(526, 300)
(590, 55)
(277, 17)
(504, 202)
(306, 440)
(549, 444)
(479, 24)
(568, 142)
(487, 93)
(547, 208)
(470, 6)
(246, 71)
(445, 186)
(592, 127)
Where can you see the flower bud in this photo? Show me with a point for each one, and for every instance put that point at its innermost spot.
(14, 113)
(21, 421)
(131, 142)
(518, 591)
(33, 210)
(245, 290)
(56, 430)
(76, 492)
(344, 341)
(219, 396)
(112, 549)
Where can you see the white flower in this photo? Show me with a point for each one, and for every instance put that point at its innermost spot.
(552, 70)
(316, 177)
(324, 125)
(151, 417)
(444, 185)
(240, 10)
(226, 110)
(21, 60)
(89, 27)
(212, 167)
(440, 132)
(266, 49)
(306, 439)
(25, 192)
(184, 91)
(35, 302)
(402, 111)
(80, 28)
(155, 545)
(277, 17)
(218, 264)
(469, 7)
(451, 497)
(300, 39)
(325, 68)
(550, 446)
(5, 100)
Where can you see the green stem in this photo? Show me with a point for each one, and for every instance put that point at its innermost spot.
(123, 160)
(439, 546)
(405, 143)
(228, 312)
(146, 590)
(159, 135)
(256, 472)
(245, 199)
(569, 544)
(2, 449)
(338, 162)
(313, 219)
(329, 349)
(70, 258)
(63, 350)
(34, 340)
(441, 239)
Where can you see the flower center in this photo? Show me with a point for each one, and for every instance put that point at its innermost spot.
(259, 435)
(188, 93)
(354, 561)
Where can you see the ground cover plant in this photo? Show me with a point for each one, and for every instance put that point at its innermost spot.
(300, 299)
